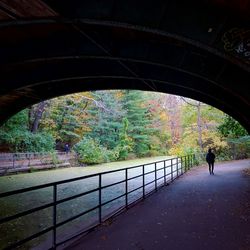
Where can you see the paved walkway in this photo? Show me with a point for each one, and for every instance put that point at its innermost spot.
(197, 211)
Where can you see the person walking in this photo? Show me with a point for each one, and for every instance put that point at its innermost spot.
(66, 148)
(210, 157)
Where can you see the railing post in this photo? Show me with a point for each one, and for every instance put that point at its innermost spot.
(182, 164)
(54, 215)
(189, 162)
(29, 158)
(165, 181)
(143, 181)
(155, 178)
(126, 187)
(172, 176)
(183, 161)
(177, 167)
(185, 165)
(100, 198)
(13, 156)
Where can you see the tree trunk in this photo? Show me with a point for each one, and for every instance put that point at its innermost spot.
(38, 115)
(199, 126)
(172, 109)
(30, 117)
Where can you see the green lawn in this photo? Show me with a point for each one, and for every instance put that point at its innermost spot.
(23, 180)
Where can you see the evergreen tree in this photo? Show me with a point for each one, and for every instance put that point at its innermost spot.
(125, 143)
(138, 116)
(107, 119)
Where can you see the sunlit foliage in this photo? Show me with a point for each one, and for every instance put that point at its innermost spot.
(103, 126)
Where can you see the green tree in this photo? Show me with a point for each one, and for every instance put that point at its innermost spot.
(16, 135)
(231, 128)
(138, 115)
(237, 138)
(125, 143)
(106, 122)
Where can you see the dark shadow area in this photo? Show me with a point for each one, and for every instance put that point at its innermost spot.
(52, 48)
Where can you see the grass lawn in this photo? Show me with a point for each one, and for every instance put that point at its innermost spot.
(23, 180)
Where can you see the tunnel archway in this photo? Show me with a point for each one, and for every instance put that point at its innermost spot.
(197, 49)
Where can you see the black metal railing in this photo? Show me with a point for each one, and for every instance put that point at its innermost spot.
(161, 173)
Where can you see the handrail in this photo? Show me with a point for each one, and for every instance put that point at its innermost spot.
(182, 164)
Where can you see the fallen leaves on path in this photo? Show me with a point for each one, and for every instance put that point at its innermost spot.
(246, 172)
(108, 222)
(103, 237)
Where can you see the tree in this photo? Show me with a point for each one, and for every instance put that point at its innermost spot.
(162, 137)
(17, 136)
(237, 138)
(125, 143)
(199, 125)
(171, 106)
(121, 124)
(35, 115)
(66, 117)
(231, 128)
(106, 122)
(137, 113)
(197, 106)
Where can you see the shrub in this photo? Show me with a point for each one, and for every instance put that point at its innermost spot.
(25, 141)
(131, 156)
(39, 142)
(142, 149)
(90, 151)
(54, 158)
(15, 133)
(122, 151)
(112, 155)
(153, 153)
(239, 147)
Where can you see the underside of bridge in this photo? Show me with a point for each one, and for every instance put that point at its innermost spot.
(198, 49)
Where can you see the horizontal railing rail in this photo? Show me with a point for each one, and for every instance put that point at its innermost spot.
(29, 155)
(172, 169)
(23, 162)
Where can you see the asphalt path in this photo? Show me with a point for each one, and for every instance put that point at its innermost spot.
(196, 211)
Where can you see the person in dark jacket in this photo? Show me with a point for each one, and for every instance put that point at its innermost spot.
(210, 157)
(66, 148)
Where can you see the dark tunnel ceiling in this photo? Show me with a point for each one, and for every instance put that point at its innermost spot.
(198, 49)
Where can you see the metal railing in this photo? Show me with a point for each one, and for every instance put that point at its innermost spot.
(161, 172)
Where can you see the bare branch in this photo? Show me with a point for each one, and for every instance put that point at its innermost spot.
(192, 104)
(98, 104)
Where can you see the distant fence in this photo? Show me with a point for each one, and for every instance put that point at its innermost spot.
(21, 162)
(145, 179)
